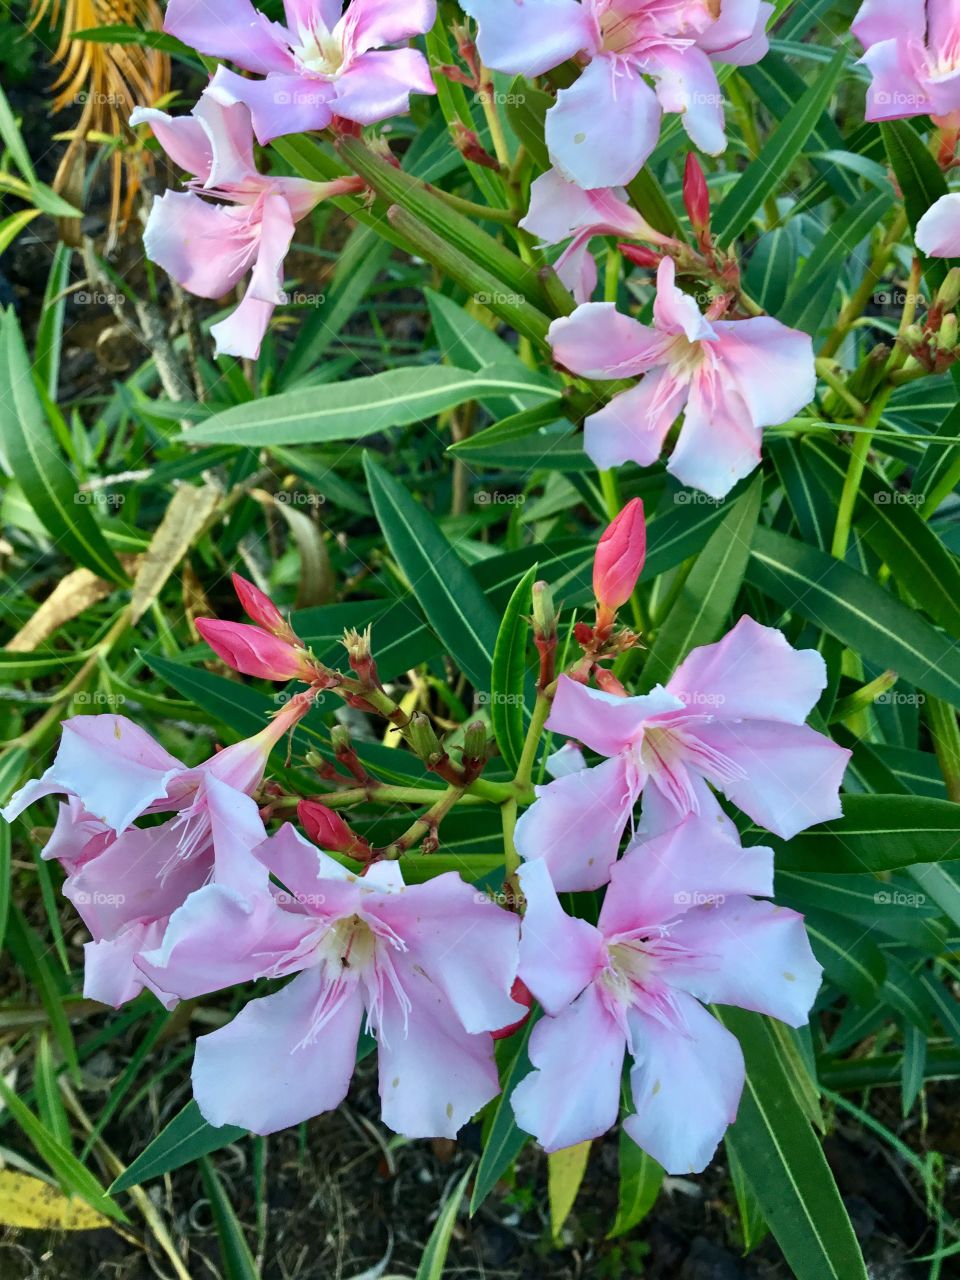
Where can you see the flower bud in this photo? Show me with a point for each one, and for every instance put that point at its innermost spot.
(949, 292)
(260, 608)
(340, 739)
(619, 558)
(475, 741)
(255, 652)
(544, 612)
(329, 831)
(423, 738)
(357, 645)
(947, 337)
(696, 197)
(641, 255)
(520, 994)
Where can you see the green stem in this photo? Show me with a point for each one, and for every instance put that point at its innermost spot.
(859, 452)
(524, 776)
(942, 720)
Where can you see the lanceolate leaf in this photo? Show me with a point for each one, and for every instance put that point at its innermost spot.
(504, 1139)
(919, 178)
(442, 584)
(784, 1164)
(509, 670)
(434, 1260)
(186, 1138)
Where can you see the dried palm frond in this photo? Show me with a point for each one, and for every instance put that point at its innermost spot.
(107, 81)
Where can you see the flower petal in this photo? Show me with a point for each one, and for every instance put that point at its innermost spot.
(576, 823)
(206, 247)
(675, 312)
(604, 126)
(598, 341)
(559, 954)
(370, 24)
(280, 104)
(718, 444)
(686, 1085)
(529, 37)
(687, 84)
(755, 955)
(574, 1093)
(752, 673)
(633, 425)
(231, 29)
(109, 972)
(771, 366)
(879, 20)
(938, 231)
(379, 85)
(605, 722)
(266, 1071)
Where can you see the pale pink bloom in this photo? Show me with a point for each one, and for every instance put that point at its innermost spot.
(322, 64)
(730, 378)
(208, 248)
(560, 210)
(125, 880)
(676, 927)
(605, 125)
(431, 966)
(732, 715)
(938, 231)
(913, 53)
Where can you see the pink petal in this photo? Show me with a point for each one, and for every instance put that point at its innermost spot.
(938, 231)
(752, 673)
(879, 20)
(378, 85)
(658, 880)
(771, 366)
(109, 972)
(792, 773)
(77, 836)
(674, 311)
(576, 823)
(207, 248)
(300, 14)
(370, 24)
(559, 209)
(635, 423)
(465, 943)
(267, 1070)
(739, 36)
(718, 444)
(318, 882)
(281, 104)
(605, 722)
(242, 332)
(434, 1075)
(687, 84)
(231, 29)
(577, 267)
(895, 90)
(559, 954)
(754, 955)
(598, 341)
(574, 1093)
(183, 138)
(604, 126)
(686, 1085)
(529, 37)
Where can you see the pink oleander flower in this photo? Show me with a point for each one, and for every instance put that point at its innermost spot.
(322, 64)
(605, 125)
(431, 966)
(678, 926)
(618, 560)
(938, 231)
(730, 378)
(913, 54)
(732, 715)
(208, 248)
(560, 210)
(254, 652)
(125, 880)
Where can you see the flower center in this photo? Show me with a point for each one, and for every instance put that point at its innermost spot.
(349, 944)
(320, 51)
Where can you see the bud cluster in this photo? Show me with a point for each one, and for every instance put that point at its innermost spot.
(934, 343)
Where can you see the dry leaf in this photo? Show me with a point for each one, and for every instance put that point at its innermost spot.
(183, 521)
(27, 1202)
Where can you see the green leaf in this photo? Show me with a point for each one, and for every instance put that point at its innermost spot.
(640, 1181)
(360, 407)
(764, 174)
(31, 454)
(504, 1139)
(509, 430)
(784, 1163)
(527, 108)
(509, 671)
(435, 1255)
(442, 584)
(772, 267)
(857, 611)
(186, 1138)
(919, 178)
(753, 1227)
(703, 605)
(73, 1177)
(565, 1173)
(238, 1263)
(876, 833)
(849, 957)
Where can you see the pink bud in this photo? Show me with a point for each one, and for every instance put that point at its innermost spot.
(520, 993)
(255, 652)
(329, 831)
(620, 555)
(260, 608)
(641, 255)
(696, 197)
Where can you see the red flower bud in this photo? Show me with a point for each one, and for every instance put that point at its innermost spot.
(521, 995)
(641, 255)
(255, 652)
(696, 197)
(329, 831)
(620, 555)
(261, 609)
